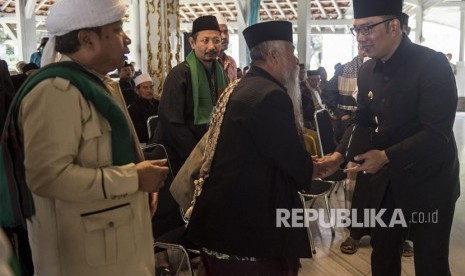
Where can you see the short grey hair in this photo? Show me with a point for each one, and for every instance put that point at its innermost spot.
(259, 52)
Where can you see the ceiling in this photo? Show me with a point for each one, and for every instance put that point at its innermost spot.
(269, 10)
(191, 9)
(230, 9)
(42, 6)
(332, 15)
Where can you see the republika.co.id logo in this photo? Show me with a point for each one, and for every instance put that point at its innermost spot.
(343, 218)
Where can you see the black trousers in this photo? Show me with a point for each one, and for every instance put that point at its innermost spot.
(360, 201)
(431, 242)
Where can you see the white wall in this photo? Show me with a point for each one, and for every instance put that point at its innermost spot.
(337, 48)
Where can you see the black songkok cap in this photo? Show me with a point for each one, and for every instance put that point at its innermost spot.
(266, 31)
(368, 8)
(205, 23)
(404, 18)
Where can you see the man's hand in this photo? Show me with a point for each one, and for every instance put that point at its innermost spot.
(373, 161)
(345, 117)
(318, 171)
(330, 164)
(152, 175)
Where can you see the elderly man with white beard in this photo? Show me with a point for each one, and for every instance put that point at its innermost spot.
(258, 166)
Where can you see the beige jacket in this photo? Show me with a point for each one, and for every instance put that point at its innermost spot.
(5, 255)
(90, 217)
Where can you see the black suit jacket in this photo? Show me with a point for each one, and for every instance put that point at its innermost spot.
(7, 92)
(411, 99)
(260, 163)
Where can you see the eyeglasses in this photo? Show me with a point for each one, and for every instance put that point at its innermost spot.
(215, 41)
(366, 30)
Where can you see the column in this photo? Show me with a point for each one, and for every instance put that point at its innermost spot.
(460, 75)
(160, 40)
(243, 11)
(26, 29)
(304, 17)
(419, 23)
(134, 33)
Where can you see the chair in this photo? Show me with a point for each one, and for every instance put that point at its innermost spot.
(158, 151)
(166, 242)
(318, 188)
(185, 255)
(152, 123)
(328, 144)
(325, 131)
(323, 187)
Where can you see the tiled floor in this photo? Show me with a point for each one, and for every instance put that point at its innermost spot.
(330, 261)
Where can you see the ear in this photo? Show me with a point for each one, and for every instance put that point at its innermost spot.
(86, 38)
(192, 42)
(273, 56)
(395, 26)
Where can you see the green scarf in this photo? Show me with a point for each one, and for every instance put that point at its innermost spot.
(201, 92)
(95, 91)
(16, 202)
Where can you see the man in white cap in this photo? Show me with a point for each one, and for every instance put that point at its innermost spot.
(143, 106)
(88, 213)
(229, 64)
(412, 166)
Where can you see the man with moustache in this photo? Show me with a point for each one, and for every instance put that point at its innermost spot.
(144, 106)
(259, 165)
(413, 164)
(190, 91)
(86, 203)
(228, 63)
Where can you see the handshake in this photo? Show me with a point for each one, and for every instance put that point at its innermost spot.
(370, 162)
(326, 165)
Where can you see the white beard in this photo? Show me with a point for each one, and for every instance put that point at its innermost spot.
(293, 90)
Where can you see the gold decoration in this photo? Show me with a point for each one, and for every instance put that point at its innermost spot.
(370, 95)
(167, 40)
(213, 134)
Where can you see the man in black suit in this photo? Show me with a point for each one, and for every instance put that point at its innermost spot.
(7, 91)
(413, 166)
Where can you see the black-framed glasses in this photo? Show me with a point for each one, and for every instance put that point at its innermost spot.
(366, 30)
